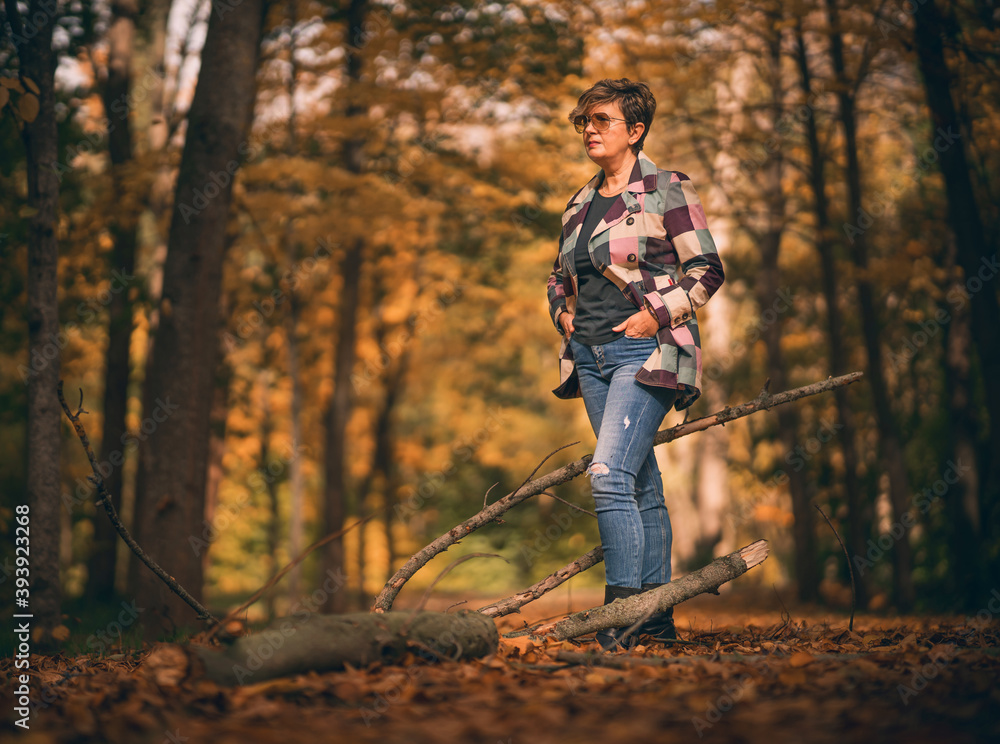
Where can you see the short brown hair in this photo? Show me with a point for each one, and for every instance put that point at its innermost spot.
(634, 99)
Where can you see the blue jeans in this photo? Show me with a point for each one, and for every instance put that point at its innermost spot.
(624, 478)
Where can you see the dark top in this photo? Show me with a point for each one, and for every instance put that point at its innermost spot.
(600, 305)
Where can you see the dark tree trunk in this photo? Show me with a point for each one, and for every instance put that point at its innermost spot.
(216, 447)
(121, 40)
(975, 249)
(767, 287)
(962, 499)
(341, 403)
(296, 485)
(857, 518)
(271, 480)
(889, 442)
(41, 143)
(170, 499)
(391, 486)
(381, 465)
(338, 416)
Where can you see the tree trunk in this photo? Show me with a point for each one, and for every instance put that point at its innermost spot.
(857, 529)
(170, 498)
(274, 516)
(889, 442)
(296, 518)
(767, 287)
(977, 255)
(963, 508)
(296, 485)
(382, 457)
(338, 416)
(154, 20)
(217, 421)
(123, 225)
(341, 403)
(41, 143)
(391, 486)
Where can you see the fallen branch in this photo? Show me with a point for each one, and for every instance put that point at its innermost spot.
(105, 501)
(623, 613)
(550, 582)
(764, 401)
(420, 559)
(319, 643)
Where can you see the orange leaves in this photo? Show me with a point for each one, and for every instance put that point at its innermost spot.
(801, 659)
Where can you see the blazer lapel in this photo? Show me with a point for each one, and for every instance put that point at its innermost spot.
(642, 179)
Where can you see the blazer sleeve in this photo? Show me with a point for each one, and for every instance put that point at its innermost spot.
(687, 229)
(557, 289)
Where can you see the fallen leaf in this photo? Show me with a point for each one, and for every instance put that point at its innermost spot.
(801, 659)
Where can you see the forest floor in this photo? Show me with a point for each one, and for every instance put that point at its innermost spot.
(746, 673)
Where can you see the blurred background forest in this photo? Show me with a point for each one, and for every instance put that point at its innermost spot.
(294, 254)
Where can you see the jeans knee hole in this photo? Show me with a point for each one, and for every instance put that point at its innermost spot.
(598, 468)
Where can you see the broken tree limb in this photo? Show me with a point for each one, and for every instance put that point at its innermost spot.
(105, 501)
(420, 559)
(623, 613)
(550, 582)
(329, 642)
(764, 401)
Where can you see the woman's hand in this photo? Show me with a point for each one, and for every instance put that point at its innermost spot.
(640, 325)
(566, 321)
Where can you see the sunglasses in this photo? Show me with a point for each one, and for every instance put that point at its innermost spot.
(601, 122)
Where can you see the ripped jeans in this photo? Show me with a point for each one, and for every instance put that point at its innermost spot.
(624, 478)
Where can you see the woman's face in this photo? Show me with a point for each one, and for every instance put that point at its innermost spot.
(610, 147)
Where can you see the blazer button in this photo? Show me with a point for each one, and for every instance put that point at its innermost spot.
(631, 257)
(630, 221)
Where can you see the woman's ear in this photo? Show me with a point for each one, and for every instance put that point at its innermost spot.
(637, 129)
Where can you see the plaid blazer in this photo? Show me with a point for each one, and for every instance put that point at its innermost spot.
(655, 246)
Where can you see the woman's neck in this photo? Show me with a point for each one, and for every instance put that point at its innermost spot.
(616, 177)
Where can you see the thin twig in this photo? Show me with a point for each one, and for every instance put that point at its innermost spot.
(550, 582)
(850, 568)
(445, 572)
(105, 501)
(538, 467)
(569, 504)
(786, 616)
(278, 576)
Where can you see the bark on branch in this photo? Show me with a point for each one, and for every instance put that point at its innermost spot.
(764, 401)
(105, 501)
(328, 642)
(550, 582)
(624, 613)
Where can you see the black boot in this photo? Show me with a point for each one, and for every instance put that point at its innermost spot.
(661, 625)
(613, 638)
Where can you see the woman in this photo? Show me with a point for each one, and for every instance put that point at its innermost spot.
(635, 261)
